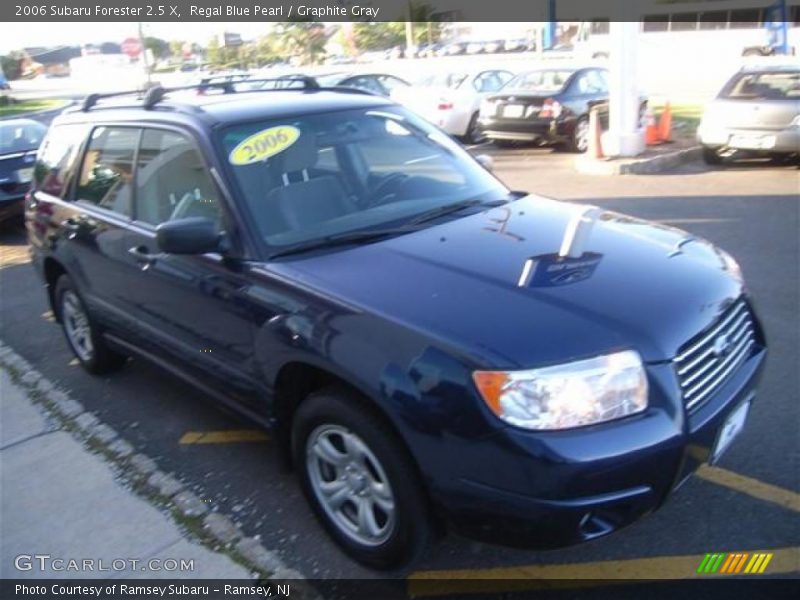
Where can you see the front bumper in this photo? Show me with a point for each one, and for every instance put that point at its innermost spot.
(758, 140)
(591, 481)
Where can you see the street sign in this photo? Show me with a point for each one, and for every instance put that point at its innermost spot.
(132, 47)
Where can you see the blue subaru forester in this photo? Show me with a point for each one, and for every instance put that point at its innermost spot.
(428, 347)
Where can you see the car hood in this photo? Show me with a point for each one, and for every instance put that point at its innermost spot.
(493, 285)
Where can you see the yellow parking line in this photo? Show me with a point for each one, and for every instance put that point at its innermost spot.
(607, 572)
(223, 437)
(751, 487)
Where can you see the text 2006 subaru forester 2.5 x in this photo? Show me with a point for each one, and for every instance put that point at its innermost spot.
(427, 346)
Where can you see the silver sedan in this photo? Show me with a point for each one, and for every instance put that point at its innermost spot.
(756, 113)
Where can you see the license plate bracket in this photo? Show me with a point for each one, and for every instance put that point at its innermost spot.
(514, 111)
(730, 429)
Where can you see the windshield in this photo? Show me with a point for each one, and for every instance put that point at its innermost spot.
(547, 81)
(780, 85)
(20, 137)
(319, 175)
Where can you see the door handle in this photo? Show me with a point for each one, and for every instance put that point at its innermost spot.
(142, 257)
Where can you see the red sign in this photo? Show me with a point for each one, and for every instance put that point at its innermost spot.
(132, 47)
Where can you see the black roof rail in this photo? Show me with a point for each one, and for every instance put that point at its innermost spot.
(155, 94)
(92, 99)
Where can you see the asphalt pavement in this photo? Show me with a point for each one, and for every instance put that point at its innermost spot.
(750, 502)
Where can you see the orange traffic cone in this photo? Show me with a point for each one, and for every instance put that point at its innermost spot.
(595, 149)
(651, 137)
(665, 124)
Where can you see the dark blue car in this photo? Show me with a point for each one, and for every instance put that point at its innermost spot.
(19, 141)
(430, 349)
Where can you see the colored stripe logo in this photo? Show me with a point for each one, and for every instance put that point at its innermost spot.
(731, 563)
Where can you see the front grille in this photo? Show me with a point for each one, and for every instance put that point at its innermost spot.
(706, 361)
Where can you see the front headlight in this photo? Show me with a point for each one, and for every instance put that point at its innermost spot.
(731, 266)
(573, 394)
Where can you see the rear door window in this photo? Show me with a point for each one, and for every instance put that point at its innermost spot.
(172, 181)
(106, 177)
(57, 158)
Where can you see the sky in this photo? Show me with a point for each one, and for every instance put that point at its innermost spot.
(73, 34)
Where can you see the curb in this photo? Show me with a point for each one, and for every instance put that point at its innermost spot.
(642, 166)
(215, 530)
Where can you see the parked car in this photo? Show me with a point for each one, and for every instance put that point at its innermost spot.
(19, 141)
(428, 348)
(475, 47)
(4, 85)
(547, 106)
(452, 99)
(519, 45)
(757, 113)
(453, 48)
(494, 46)
(377, 83)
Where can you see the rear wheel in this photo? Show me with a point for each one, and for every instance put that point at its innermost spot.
(474, 134)
(82, 334)
(359, 480)
(711, 156)
(579, 141)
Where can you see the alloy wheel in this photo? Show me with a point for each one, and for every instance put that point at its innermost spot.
(350, 484)
(76, 326)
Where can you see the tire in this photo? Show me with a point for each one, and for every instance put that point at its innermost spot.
(711, 156)
(374, 471)
(81, 331)
(474, 135)
(579, 139)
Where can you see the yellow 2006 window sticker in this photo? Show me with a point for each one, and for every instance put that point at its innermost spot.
(260, 146)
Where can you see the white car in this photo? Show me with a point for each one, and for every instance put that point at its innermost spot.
(452, 99)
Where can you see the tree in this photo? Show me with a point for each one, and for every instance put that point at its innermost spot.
(157, 46)
(10, 65)
(378, 36)
(176, 48)
(304, 39)
(214, 53)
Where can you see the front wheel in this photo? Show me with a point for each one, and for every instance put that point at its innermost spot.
(82, 334)
(359, 480)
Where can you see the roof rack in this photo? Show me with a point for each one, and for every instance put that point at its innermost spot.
(154, 95)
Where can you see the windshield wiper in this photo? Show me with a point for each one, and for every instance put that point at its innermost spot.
(448, 209)
(342, 239)
(355, 237)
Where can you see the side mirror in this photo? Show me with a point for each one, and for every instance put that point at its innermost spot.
(485, 161)
(192, 235)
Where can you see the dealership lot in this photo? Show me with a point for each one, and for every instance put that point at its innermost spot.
(750, 209)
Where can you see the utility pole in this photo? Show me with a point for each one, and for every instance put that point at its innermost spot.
(624, 136)
(409, 33)
(145, 62)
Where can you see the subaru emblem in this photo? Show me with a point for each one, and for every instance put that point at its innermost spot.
(722, 345)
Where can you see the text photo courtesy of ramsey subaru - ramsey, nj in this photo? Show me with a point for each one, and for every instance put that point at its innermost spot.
(395, 299)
